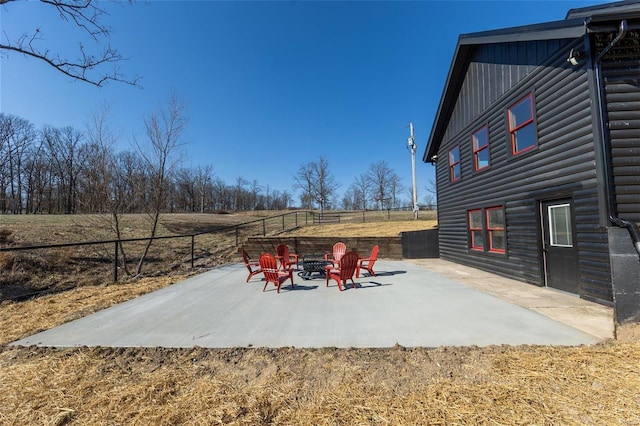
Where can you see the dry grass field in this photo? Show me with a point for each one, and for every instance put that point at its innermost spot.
(593, 385)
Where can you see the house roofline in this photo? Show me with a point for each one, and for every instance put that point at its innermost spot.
(605, 11)
(551, 30)
(578, 23)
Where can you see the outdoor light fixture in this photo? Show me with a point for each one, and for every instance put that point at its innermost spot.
(574, 56)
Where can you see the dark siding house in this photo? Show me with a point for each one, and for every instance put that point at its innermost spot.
(536, 144)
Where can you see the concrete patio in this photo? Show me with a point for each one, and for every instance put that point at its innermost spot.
(424, 303)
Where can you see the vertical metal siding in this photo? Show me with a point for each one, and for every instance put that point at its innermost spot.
(564, 160)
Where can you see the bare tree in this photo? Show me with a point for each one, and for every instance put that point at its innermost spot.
(97, 158)
(431, 198)
(6, 131)
(279, 200)
(362, 186)
(127, 189)
(254, 191)
(305, 182)
(395, 188)
(379, 175)
(185, 197)
(16, 136)
(37, 171)
(202, 178)
(285, 199)
(239, 194)
(348, 199)
(63, 146)
(90, 63)
(103, 178)
(221, 195)
(317, 183)
(164, 129)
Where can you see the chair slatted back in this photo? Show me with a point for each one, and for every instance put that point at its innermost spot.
(374, 255)
(339, 249)
(283, 254)
(348, 265)
(269, 267)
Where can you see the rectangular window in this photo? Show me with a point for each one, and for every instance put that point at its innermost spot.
(475, 230)
(560, 225)
(521, 125)
(480, 148)
(495, 229)
(455, 172)
(487, 230)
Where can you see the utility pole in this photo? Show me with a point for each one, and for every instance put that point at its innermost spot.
(412, 148)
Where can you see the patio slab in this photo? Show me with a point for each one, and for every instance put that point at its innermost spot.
(412, 304)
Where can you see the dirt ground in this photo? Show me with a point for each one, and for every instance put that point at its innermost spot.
(497, 385)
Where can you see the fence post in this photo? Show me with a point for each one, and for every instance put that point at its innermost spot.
(363, 216)
(388, 214)
(237, 229)
(283, 222)
(296, 219)
(193, 242)
(264, 227)
(115, 263)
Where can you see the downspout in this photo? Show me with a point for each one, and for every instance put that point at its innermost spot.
(631, 227)
(621, 32)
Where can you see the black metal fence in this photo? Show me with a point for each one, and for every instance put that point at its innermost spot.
(328, 217)
(230, 234)
(238, 232)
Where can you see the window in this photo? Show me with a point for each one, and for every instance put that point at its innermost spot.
(495, 229)
(487, 230)
(475, 230)
(560, 225)
(480, 148)
(521, 126)
(455, 172)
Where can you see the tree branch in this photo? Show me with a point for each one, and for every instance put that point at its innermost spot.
(86, 15)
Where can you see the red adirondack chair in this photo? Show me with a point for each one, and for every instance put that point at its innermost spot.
(339, 249)
(252, 265)
(367, 264)
(347, 267)
(287, 259)
(272, 274)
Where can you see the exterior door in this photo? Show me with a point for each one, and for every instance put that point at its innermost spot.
(559, 247)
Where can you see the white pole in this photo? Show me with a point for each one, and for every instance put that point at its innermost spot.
(412, 146)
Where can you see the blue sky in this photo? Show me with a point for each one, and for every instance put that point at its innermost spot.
(269, 86)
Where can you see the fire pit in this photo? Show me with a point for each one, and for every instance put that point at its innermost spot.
(313, 265)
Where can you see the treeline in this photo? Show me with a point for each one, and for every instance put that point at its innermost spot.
(378, 188)
(65, 170)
